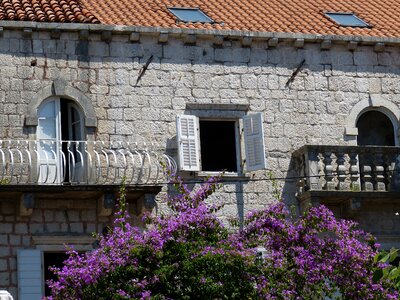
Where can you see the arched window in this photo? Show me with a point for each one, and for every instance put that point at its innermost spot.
(375, 128)
(60, 134)
(376, 120)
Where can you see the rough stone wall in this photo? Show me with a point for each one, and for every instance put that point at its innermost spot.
(314, 110)
(55, 217)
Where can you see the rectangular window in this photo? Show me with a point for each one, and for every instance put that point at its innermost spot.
(218, 146)
(52, 259)
(213, 145)
(186, 14)
(346, 19)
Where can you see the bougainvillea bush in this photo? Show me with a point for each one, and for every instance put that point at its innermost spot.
(189, 254)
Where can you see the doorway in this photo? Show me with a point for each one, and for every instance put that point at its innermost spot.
(375, 129)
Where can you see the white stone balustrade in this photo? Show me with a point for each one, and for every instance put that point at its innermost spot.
(348, 168)
(81, 162)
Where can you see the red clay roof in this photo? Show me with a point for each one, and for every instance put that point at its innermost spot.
(293, 16)
(46, 11)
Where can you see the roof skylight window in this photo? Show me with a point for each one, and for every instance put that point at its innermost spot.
(190, 15)
(346, 19)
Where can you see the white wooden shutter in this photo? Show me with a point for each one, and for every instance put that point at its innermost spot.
(254, 142)
(188, 142)
(30, 274)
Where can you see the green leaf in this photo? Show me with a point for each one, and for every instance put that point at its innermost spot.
(378, 274)
(393, 254)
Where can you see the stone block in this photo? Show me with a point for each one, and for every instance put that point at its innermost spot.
(73, 215)
(223, 55)
(3, 239)
(5, 251)
(98, 49)
(374, 85)
(6, 227)
(365, 58)
(21, 228)
(37, 46)
(52, 227)
(90, 228)
(7, 207)
(5, 278)
(249, 81)
(15, 240)
(36, 228)
(50, 46)
(115, 113)
(106, 126)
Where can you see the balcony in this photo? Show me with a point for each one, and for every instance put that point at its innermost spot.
(50, 162)
(333, 173)
(356, 182)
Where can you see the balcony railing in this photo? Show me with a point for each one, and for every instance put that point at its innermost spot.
(348, 168)
(81, 162)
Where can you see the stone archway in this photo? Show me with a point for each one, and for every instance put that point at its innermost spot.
(375, 103)
(64, 90)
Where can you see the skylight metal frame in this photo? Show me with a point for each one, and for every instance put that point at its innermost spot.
(194, 9)
(328, 13)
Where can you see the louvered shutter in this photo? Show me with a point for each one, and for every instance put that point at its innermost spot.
(188, 143)
(254, 142)
(30, 274)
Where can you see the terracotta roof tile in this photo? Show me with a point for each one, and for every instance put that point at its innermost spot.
(296, 16)
(46, 11)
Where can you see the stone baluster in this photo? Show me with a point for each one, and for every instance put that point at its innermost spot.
(342, 170)
(354, 172)
(329, 171)
(390, 162)
(321, 171)
(313, 168)
(395, 178)
(366, 172)
(367, 178)
(379, 173)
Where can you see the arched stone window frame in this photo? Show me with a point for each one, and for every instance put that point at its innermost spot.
(64, 90)
(374, 103)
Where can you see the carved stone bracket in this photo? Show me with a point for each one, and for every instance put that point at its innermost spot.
(106, 204)
(145, 203)
(26, 204)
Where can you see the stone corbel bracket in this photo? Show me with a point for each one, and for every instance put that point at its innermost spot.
(106, 204)
(146, 203)
(26, 204)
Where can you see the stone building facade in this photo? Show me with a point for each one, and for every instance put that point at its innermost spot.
(309, 89)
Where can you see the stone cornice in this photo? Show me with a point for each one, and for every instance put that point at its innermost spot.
(246, 36)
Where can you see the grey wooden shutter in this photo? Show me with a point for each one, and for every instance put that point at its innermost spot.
(30, 274)
(254, 142)
(188, 143)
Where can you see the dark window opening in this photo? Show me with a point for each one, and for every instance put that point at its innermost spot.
(376, 129)
(218, 146)
(52, 259)
(64, 120)
(71, 130)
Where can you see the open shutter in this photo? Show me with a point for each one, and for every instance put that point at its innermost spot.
(188, 142)
(30, 274)
(254, 142)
